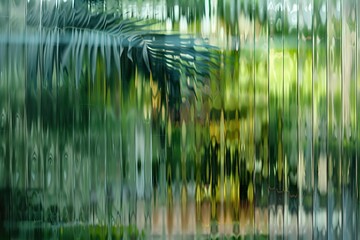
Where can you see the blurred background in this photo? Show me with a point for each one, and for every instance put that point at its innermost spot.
(179, 119)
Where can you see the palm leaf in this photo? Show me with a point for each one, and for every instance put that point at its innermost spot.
(110, 35)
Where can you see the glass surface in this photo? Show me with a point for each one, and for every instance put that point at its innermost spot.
(179, 119)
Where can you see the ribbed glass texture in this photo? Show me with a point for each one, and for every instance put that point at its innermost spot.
(188, 119)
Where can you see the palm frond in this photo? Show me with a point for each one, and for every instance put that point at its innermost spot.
(73, 30)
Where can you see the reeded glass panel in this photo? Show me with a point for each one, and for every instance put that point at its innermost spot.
(165, 119)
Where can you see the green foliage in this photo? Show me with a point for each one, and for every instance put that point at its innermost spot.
(86, 58)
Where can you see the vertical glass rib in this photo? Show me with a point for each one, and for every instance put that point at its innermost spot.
(246, 107)
(334, 118)
(276, 71)
(348, 171)
(5, 168)
(170, 176)
(65, 141)
(251, 91)
(261, 119)
(305, 123)
(319, 119)
(357, 69)
(290, 138)
(4, 160)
